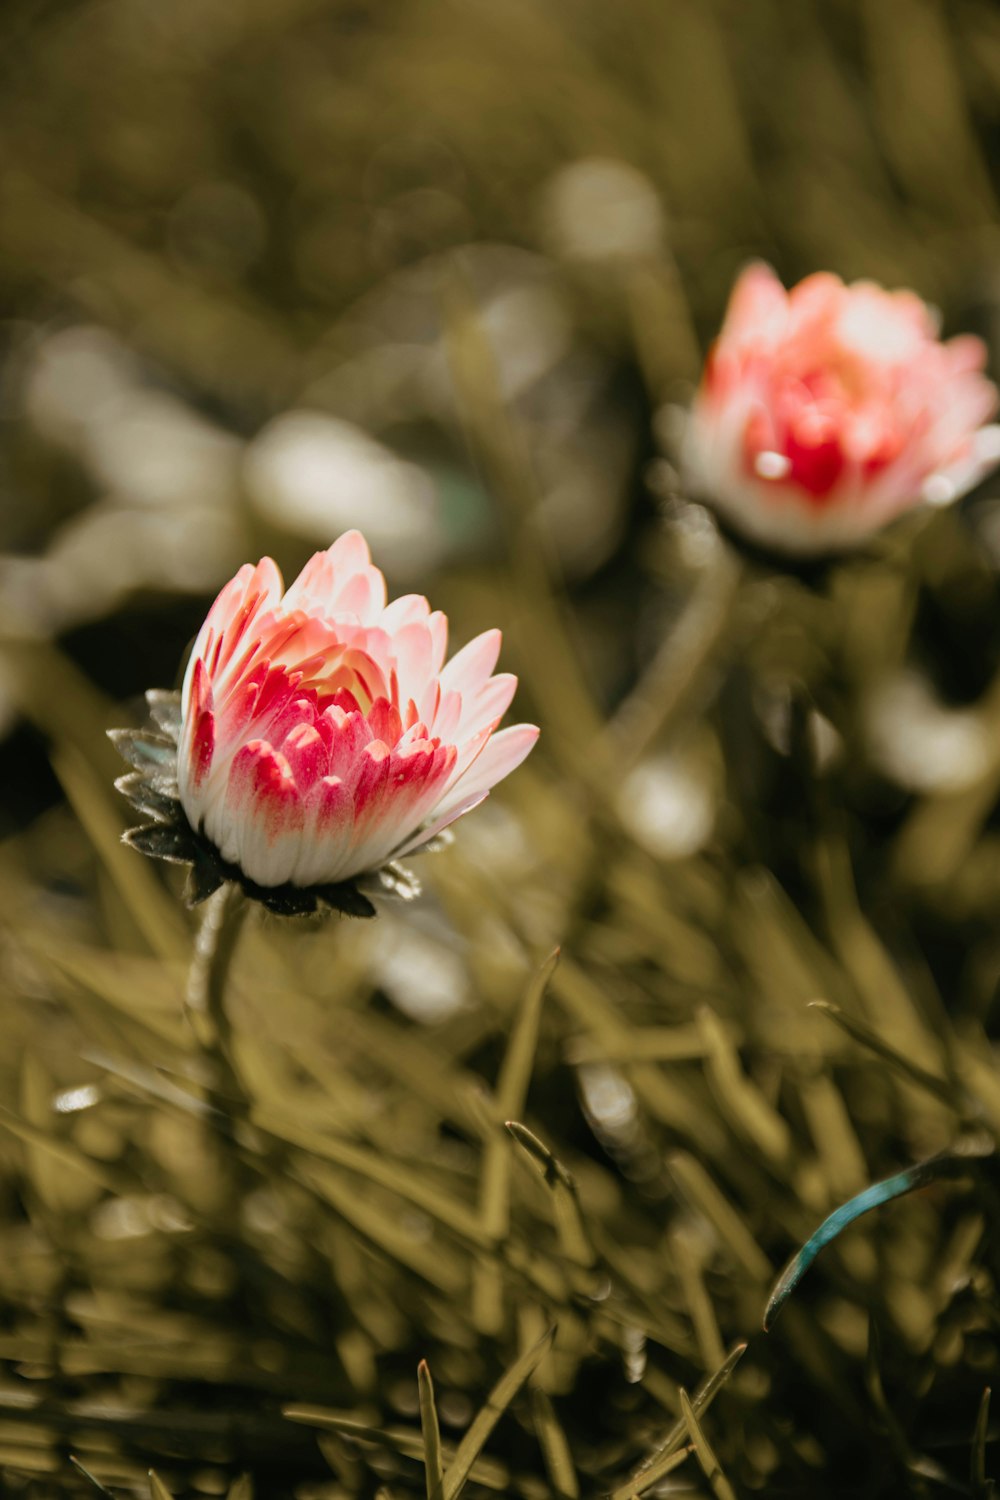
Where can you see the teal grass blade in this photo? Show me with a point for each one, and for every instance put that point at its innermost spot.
(897, 1186)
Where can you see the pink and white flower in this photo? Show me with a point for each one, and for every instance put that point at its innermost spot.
(826, 411)
(322, 734)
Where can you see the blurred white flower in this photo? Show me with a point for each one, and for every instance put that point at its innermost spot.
(667, 804)
(601, 208)
(423, 978)
(919, 743)
(146, 446)
(317, 476)
(73, 375)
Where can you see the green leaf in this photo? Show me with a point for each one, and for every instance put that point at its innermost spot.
(347, 899)
(165, 711)
(204, 878)
(148, 796)
(175, 844)
(157, 1489)
(144, 749)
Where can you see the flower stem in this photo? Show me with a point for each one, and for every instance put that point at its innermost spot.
(205, 999)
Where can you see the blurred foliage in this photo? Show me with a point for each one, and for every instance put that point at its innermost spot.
(277, 267)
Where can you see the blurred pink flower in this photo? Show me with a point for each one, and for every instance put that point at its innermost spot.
(826, 411)
(321, 732)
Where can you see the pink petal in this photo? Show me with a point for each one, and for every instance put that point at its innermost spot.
(202, 747)
(371, 773)
(469, 669)
(307, 755)
(413, 649)
(262, 777)
(347, 736)
(489, 705)
(438, 625)
(406, 610)
(758, 303)
(384, 722)
(503, 754)
(438, 824)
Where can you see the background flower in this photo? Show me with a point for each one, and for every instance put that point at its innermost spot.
(825, 411)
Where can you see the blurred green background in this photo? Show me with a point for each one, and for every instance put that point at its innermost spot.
(445, 271)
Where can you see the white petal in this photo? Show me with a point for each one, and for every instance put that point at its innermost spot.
(489, 705)
(503, 754)
(467, 671)
(440, 822)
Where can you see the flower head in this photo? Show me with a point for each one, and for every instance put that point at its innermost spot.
(319, 735)
(826, 411)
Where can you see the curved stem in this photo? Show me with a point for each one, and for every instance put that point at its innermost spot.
(205, 999)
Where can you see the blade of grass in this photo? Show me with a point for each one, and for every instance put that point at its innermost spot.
(979, 1482)
(114, 1182)
(865, 959)
(697, 1186)
(833, 1134)
(433, 1464)
(157, 1489)
(666, 1456)
(704, 1452)
(144, 990)
(669, 1101)
(375, 1167)
(573, 1238)
(870, 1039)
(374, 1224)
(677, 1457)
(679, 670)
(498, 448)
(683, 1043)
(98, 1486)
(555, 1448)
(738, 1097)
(699, 1304)
(494, 1194)
(490, 1413)
(950, 1165)
(407, 1441)
(151, 909)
